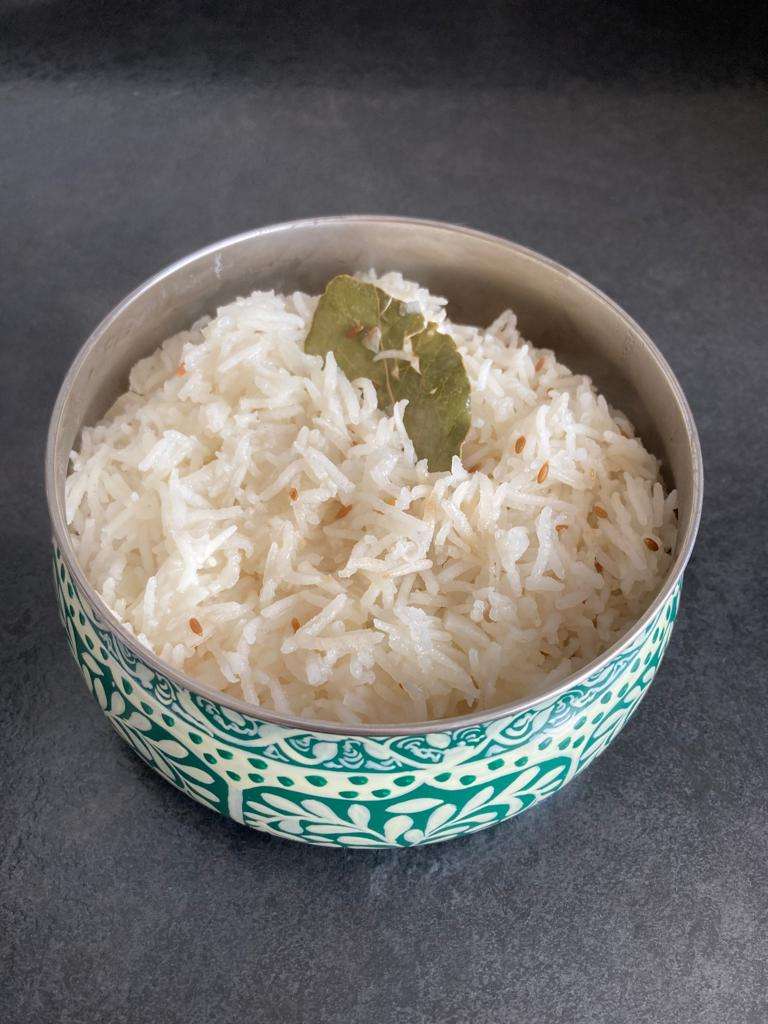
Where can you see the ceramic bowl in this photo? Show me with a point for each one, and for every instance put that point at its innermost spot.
(371, 786)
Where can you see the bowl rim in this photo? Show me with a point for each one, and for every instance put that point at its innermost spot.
(294, 722)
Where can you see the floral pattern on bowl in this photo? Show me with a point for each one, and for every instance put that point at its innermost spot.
(357, 791)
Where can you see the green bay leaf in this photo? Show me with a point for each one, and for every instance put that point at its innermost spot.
(355, 321)
(437, 416)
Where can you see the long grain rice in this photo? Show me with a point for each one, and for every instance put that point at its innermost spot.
(255, 520)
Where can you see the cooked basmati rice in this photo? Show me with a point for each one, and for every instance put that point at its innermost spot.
(255, 520)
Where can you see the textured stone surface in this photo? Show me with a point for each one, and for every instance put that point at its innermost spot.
(632, 151)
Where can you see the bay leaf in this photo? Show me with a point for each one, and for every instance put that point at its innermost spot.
(345, 321)
(437, 416)
(355, 321)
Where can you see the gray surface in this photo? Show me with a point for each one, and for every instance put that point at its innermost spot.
(639, 893)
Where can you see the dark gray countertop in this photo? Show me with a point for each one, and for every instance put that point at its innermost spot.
(634, 152)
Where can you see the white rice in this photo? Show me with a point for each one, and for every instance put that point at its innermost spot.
(209, 496)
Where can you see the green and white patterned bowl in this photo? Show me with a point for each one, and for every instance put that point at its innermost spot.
(373, 786)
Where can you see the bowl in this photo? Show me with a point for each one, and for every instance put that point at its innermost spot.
(373, 786)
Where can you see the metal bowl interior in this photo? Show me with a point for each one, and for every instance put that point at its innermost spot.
(480, 274)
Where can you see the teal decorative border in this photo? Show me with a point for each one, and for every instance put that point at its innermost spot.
(366, 791)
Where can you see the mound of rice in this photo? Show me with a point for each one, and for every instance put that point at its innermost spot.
(255, 520)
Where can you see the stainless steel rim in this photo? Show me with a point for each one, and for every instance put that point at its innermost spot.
(685, 543)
